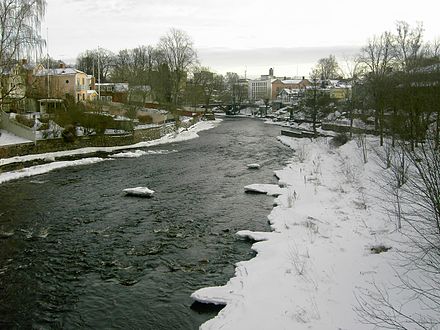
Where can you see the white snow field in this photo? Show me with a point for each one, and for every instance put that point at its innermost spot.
(7, 138)
(313, 268)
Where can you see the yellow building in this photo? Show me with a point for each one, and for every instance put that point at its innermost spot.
(340, 93)
(58, 83)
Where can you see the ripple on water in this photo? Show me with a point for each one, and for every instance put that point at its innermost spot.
(95, 259)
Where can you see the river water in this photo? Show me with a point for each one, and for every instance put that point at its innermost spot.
(76, 253)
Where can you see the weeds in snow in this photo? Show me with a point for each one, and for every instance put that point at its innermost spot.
(291, 198)
(361, 203)
(298, 261)
(361, 142)
(302, 154)
(312, 230)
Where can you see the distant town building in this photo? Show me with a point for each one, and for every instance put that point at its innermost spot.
(112, 92)
(61, 82)
(261, 89)
(297, 84)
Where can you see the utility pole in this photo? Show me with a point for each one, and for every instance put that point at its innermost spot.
(48, 64)
(99, 76)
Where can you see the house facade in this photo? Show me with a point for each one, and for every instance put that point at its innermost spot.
(16, 83)
(112, 92)
(260, 89)
(289, 96)
(340, 93)
(61, 82)
(292, 84)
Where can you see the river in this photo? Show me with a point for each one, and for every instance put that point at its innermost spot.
(76, 253)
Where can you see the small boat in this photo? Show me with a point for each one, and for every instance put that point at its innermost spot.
(139, 191)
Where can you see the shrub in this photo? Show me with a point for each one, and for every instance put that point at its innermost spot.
(69, 133)
(24, 120)
(145, 119)
(339, 140)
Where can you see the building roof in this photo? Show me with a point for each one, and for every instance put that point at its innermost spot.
(292, 81)
(289, 91)
(118, 87)
(58, 72)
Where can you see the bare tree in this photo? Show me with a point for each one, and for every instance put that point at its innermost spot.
(352, 73)
(20, 22)
(179, 54)
(378, 59)
(97, 62)
(414, 179)
(209, 83)
(235, 92)
(122, 66)
(409, 45)
(326, 68)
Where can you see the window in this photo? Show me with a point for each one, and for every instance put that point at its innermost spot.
(67, 81)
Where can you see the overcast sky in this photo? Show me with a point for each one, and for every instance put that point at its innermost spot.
(235, 35)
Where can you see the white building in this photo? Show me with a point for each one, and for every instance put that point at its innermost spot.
(260, 89)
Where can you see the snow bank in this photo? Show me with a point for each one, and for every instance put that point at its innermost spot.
(254, 235)
(309, 270)
(140, 153)
(41, 169)
(181, 135)
(269, 189)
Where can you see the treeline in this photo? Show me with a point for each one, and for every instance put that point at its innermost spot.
(401, 75)
(396, 76)
(163, 68)
(171, 70)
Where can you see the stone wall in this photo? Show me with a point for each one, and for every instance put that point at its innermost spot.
(16, 127)
(52, 145)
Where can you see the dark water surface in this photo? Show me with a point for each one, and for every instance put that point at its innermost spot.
(76, 253)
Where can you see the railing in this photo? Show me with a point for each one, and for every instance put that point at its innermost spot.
(81, 87)
(16, 128)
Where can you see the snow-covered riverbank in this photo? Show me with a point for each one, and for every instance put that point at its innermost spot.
(330, 247)
(181, 135)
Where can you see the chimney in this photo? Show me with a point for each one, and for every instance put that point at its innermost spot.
(303, 78)
(271, 72)
(62, 65)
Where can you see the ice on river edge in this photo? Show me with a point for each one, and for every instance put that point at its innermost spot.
(268, 189)
(45, 168)
(253, 166)
(139, 191)
(182, 135)
(310, 268)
